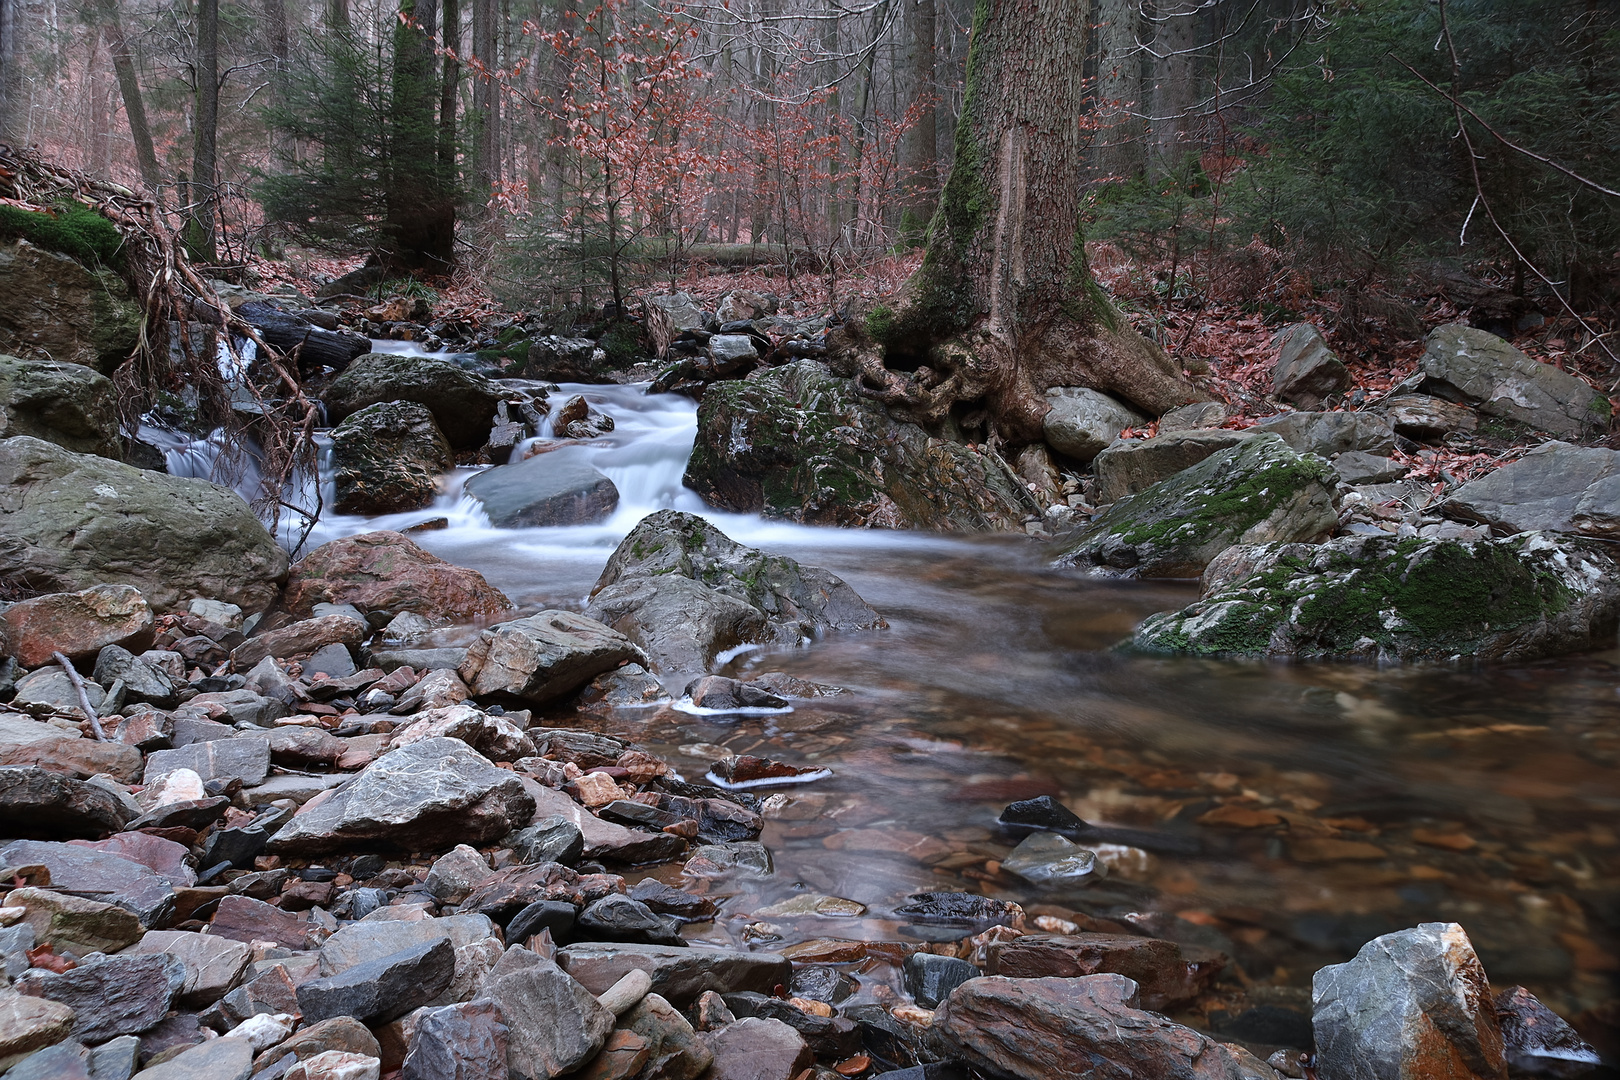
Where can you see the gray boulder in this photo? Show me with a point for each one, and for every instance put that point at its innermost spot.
(684, 591)
(70, 521)
(731, 353)
(1082, 423)
(799, 443)
(555, 488)
(142, 681)
(1427, 418)
(555, 1025)
(1133, 465)
(57, 309)
(118, 995)
(563, 359)
(1306, 371)
(98, 875)
(1355, 467)
(462, 404)
(1480, 368)
(1556, 487)
(380, 990)
(70, 405)
(1256, 492)
(388, 457)
(1413, 1003)
(1328, 433)
(1387, 599)
(244, 759)
(669, 315)
(433, 793)
(544, 656)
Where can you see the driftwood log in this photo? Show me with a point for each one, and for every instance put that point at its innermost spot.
(297, 337)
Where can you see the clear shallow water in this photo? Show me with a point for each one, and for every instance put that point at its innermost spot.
(1337, 802)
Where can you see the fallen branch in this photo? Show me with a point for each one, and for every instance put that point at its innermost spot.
(84, 696)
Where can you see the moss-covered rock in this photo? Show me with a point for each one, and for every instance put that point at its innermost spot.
(1258, 491)
(56, 308)
(798, 443)
(387, 458)
(1388, 599)
(68, 404)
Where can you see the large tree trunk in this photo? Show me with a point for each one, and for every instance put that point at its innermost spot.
(129, 87)
(1005, 306)
(203, 196)
(451, 33)
(420, 226)
(485, 121)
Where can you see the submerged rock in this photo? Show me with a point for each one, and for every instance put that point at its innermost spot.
(1480, 368)
(387, 571)
(75, 520)
(685, 592)
(388, 457)
(798, 443)
(1388, 599)
(462, 404)
(1258, 491)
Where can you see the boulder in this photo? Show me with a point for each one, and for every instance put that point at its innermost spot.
(674, 1050)
(362, 942)
(669, 315)
(796, 442)
(39, 804)
(25, 741)
(1082, 423)
(731, 354)
(543, 657)
(1258, 491)
(433, 793)
(386, 571)
(567, 359)
(383, 989)
(1415, 1003)
(1479, 368)
(758, 1048)
(65, 921)
(388, 457)
(1426, 418)
(142, 681)
(1556, 487)
(71, 521)
(462, 404)
(119, 995)
(1192, 416)
(467, 1041)
(1306, 371)
(98, 875)
(1328, 433)
(554, 1024)
(555, 488)
(680, 975)
(744, 305)
(56, 309)
(1043, 1029)
(68, 404)
(1133, 465)
(685, 592)
(244, 759)
(1355, 467)
(496, 737)
(1389, 599)
(213, 964)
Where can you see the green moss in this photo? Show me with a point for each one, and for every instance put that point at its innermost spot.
(1235, 508)
(624, 344)
(880, 323)
(69, 229)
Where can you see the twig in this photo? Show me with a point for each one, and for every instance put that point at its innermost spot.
(84, 696)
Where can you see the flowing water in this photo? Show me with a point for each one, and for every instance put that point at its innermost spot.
(1298, 810)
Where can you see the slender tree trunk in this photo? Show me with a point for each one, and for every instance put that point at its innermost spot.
(420, 225)
(13, 122)
(1005, 305)
(485, 122)
(100, 114)
(129, 87)
(1119, 89)
(919, 152)
(278, 40)
(1175, 37)
(451, 33)
(203, 194)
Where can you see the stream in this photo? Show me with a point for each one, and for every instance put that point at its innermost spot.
(1338, 802)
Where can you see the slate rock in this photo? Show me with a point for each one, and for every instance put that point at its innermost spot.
(553, 838)
(97, 875)
(1412, 1003)
(555, 916)
(504, 893)
(495, 737)
(557, 488)
(544, 656)
(679, 975)
(142, 681)
(1480, 368)
(433, 793)
(616, 917)
(363, 942)
(343, 1033)
(554, 1024)
(73, 923)
(1165, 977)
(241, 918)
(1306, 371)
(603, 839)
(165, 858)
(76, 624)
(120, 995)
(301, 747)
(1556, 487)
(756, 1048)
(216, 1059)
(69, 1060)
(455, 874)
(213, 964)
(244, 759)
(1328, 433)
(25, 741)
(833, 1037)
(466, 1041)
(930, 978)
(38, 803)
(1082, 423)
(1539, 1042)
(29, 1024)
(299, 639)
(668, 900)
(381, 990)
(674, 1049)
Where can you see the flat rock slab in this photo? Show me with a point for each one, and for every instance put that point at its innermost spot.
(35, 802)
(679, 975)
(26, 741)
(362, 942)
(433, 793)
(165, 858)
(1555, 487)
(213, 964)
(216, 1059)
(757, 1048)
(97, 875)
(299, 639)
(383, 989)
(28, 1024)
(1164, 977)
(544, 656)
(1482, 368)
(68, 922)
(242, 918)
(245, 759)
(551, 489)
(1124, 468)
(121, 995)
(77, 624)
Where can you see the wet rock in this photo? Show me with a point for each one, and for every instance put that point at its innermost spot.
(544, 656)
(550, 839)
(1125, 468)
(505, 892)
(1041, 814)
(756, 1048)
(1401, 600)
(1556, 487)
(1477, 367)
(565, 359)
(1051, 861)
(120, 995)
(554, 916)
(666, 900)
(1412, 1003)
(619, 918)
(931, 978)
(1257, 492)
(784, 685)
(1082, 423)
(58, 308)
(29, 1024)
(554, 1024)
(386, 571)
(41, 804)
(685, 592)
(244, 759)
(679, 975)
(796, 442)
(1306, 371)
(575, 419)
(64, 403)
(72, 520)
(826, 984)
(1328, 433)
(1165, 977)
(26, 742)
(966, 910)
(142, 681)
(674, 1050)
(430, 794)
(745, 857)
(299, 639)
(555, 488)
(1537, 1041)
(1037, 1029)
(628, 686)
(380, 990)
(97, 875)
(388, 457)
(831, 1037)
(496, 737)
(462, 403)
(216, 1059)
(720, 693)
(467, 1041)
(213, 964)
(73, 923)
(76, 624)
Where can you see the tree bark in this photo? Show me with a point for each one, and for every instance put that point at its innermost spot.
(13, 129)
(420, 217)
(451, 33)
(129, 87)
(1004, 305)
(1175, 37)
(919, 153)
(486, 119)
(1119, 90)
(203, 195)
(279, 42)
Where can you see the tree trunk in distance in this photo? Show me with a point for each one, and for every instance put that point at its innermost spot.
(12, 128)
(1175, 38)
(1119, 90)
(919, 152)
(451, 33)
(203, 195)
(279, 40)
(485, 122)
(1004, 305)
(419, 229)
(129, 87)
